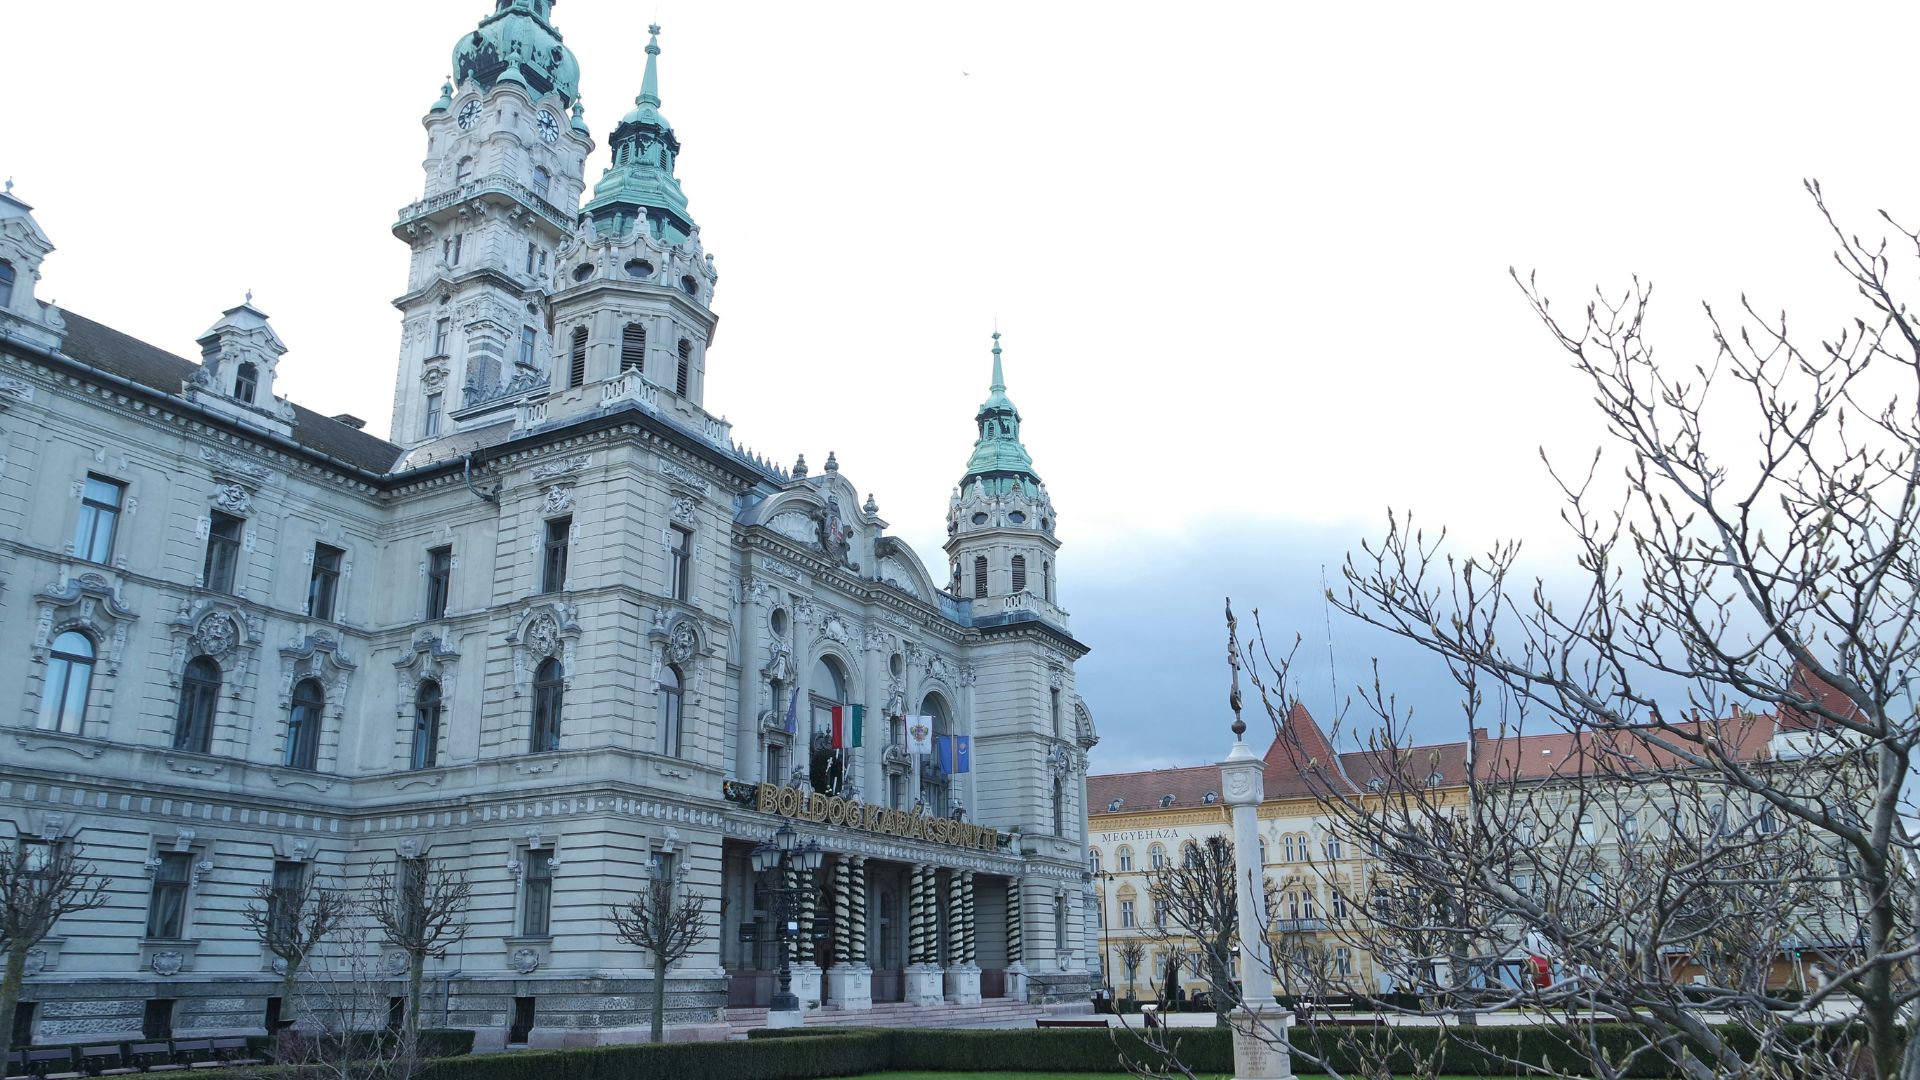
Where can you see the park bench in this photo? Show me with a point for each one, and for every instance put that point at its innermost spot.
(1059, 1022)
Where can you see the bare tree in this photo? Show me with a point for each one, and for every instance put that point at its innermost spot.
(422, 911)
(1684, 779)
(666, 920)
(39, 882)
(1132, 952)
(343, 1004)
(1199, 895)
(292, 918)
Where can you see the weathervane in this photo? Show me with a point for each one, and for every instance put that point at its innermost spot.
(1233, 661)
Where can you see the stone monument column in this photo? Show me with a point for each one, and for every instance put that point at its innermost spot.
(1260, 1050)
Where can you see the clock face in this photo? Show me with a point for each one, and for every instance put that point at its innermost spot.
(549, 128)
(469, 114)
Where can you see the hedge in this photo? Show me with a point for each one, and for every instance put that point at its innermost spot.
(434, 1043)
(804, 1053)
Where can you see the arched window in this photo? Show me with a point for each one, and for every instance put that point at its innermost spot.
(1286, 848)
(63, 703)
(670, 702)
(303, 724)
(6, 283)
(246, 381)
(979, 576)
(1123, 858)
(463, 171)
(199, 697)
(577, 358)
(426, 726)
(1190, 855)
(1046, 581)
(1157, 857)
(1059, 807)
(542, 181)
(936, 788)
(1263, 851)
(1093, 859)
(549, 690)
(826, 688)
(633, 347)
(683, 375)
(1019, 573)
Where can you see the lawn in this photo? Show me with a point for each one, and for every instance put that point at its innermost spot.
(1035, 1076)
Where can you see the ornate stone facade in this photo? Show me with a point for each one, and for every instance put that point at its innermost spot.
(600, 615)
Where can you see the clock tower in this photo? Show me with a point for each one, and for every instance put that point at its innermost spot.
(1001, 544)
(506, 159)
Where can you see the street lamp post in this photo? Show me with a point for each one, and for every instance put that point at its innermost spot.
(778, 861)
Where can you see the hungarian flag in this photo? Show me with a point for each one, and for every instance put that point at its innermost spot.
(848, 720)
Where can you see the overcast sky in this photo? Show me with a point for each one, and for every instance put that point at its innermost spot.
(1250, 259)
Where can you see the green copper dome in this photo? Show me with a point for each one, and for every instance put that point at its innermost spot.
(517, 43)
(640, 185)
(998, 456)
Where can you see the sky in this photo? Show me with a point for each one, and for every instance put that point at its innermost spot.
(1250, 260)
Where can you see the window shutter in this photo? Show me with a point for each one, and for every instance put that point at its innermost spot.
(577, 359)
(684, 375)
(979, 576)
(633, 347)
(1019, 573)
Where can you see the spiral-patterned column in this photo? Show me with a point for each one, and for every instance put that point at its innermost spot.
(809, 900)
(917, 916)
(842, 911)
(1014, 950)
(857, 907)
(967, 952)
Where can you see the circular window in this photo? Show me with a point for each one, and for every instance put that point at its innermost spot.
(895, 665)
(979, 519)
(1016, 517)
(639, 268)
(778, 620)
(583, 272)
(691, 286)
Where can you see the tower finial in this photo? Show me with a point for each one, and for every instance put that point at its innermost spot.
(999, 380)
(650, 84)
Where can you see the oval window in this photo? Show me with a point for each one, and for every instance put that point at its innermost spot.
(639, 268)
(583, 272)
(691, 286)
(979, 519)
(896, 666)
(1016, 517)
(779, 622)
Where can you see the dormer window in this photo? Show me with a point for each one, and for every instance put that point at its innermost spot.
(246, 381)
(1166, 801)
(1210, 798)
(1113, 807)
(1376, 784)
(1435, 779)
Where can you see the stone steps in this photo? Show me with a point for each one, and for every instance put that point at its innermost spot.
(990, 1013)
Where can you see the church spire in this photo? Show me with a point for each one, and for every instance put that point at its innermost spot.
(640, 186)
(999, 458)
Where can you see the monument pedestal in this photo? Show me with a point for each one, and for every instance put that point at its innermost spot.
(924, 985)
(1017, 982)
(1260, 1050)
(850, 986)
(963, 985)
(786, 1018)
(806, 985)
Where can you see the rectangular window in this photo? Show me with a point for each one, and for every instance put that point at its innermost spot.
(529, 338)
(681, 568)
(325, 582)
(223, 552)
(553, 568)
(522, 1026)
(633, 347)
(23, 1024)
(1126, 914)
(156, 1020)
(283, 904)
(683, 373)
(430, 425)
(167, 905)
(1059, 728)
(439, 581)
(442, 328)
(897, 791)
(538, 885)
(776, 764)
(1339, 904)
(410, 894)
(396, 1013)
(1060, 926)
(456, 249)
(1342, 962)
(100, 501)
(532, 249)
(577, 358)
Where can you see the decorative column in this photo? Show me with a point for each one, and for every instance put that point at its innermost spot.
(963, 975)
(858, 887)
(1260, 1050)
(806, 973)
(924, 975)
(849, 982)
(1016, 967)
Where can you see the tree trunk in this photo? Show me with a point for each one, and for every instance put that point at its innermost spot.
(416, 974)
(286, 992)
(10, 991)
(659, 996)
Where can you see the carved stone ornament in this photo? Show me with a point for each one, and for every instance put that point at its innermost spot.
(833, 628)
(836, 536)
(878, 639)
(779, 661)
(167, 963)
(396, 963)
(233, 498)
(228, 466)
(682, 643)
(685, 507)
(551, 469)
(36, 961)
(525, 961)
(796, 526)
(685, 477)
(558, 499)
(543, 635)
(1059, 762)
(217, 634)
(802, 610)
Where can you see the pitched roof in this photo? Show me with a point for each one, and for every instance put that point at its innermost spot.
(157, 369)
(1143, 790)
(1373, 769)
(1743, 736)
(1287, 760)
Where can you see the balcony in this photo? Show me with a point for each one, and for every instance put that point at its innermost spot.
(1298, 926)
